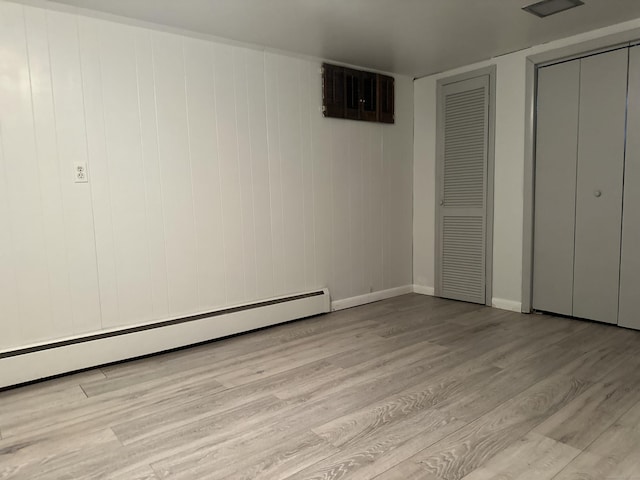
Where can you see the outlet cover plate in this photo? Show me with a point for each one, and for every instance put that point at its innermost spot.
(80, 173)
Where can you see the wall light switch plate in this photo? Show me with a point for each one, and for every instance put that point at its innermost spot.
(80, 174)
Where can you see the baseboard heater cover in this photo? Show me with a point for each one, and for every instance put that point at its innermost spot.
(45, 360)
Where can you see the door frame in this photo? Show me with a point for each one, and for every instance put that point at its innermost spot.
(489, 71)
(533, 63)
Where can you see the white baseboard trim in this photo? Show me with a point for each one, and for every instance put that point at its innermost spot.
(422, 290)
(46, 360)
(370, 297)
(503, 304)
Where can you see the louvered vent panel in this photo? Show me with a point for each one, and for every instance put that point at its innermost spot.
(463, 274)
(464, 148)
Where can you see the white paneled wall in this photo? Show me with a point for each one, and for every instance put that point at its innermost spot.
(214, 179)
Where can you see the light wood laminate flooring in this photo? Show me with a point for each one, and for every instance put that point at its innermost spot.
(413, 387)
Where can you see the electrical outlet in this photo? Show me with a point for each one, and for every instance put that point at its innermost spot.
(80, 174)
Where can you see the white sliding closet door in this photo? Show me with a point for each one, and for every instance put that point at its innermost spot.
(557, 109)
(629, 314)
(580, 158)
(601, 143)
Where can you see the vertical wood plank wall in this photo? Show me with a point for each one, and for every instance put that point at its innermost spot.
(214, 179)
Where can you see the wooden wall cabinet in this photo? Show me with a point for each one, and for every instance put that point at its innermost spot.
(385, 99)
(333, 97)
(357, 95)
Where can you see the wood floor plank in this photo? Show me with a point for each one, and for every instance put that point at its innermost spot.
(400, 406)
(120, 461)
(492, 392)
(412, 320)
(218, 361)
(282, 464)
(378, 450)
(405, 470)
(309, 411)
(631, 418)
(210, 422)
(417, 358)
(247, 450)
(143, 473)
(411, 301)
(382, 347)
(532, 457)
(262, 368)
(412, 387)
(301, 417)
(263, 459)
(438, 323)
(28, 458)
(45, 395)
(28, 405)
(39, 389)
(159, 421)
(113, 408)
(516, 342)
(601, 336)
(483, 314)
(475, 444)
(588, 416)
(608, 457)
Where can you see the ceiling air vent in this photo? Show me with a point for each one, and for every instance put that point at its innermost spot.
(550, 7)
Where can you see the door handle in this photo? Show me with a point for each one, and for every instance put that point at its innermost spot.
(441, 203)
(597, 194)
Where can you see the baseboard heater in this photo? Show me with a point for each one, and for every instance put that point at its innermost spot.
(34, 362)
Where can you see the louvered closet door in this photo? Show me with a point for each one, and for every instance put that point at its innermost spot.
(463, 133)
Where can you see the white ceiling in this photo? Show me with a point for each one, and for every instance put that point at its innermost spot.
(414, 37)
